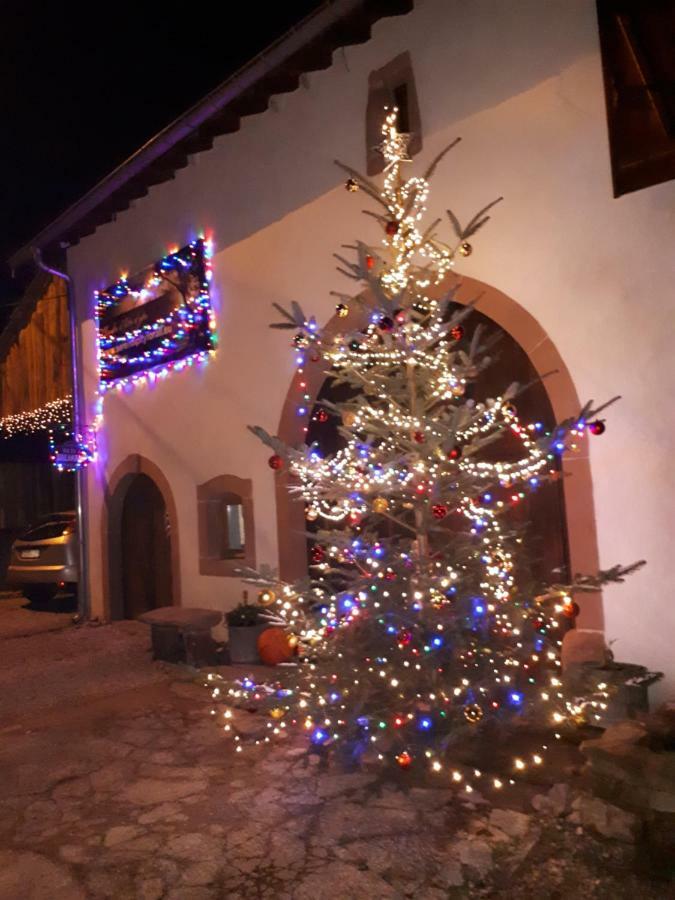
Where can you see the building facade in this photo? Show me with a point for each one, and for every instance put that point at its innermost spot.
(580, 280)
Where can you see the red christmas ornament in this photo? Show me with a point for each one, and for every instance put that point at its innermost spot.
(439, 511)
(419, 437)
(275, 461)
(390, 576)
(404, 637)
(455, 453)
(370, 262)
(404, 759)
(571, 610)
(457, 333)
(318, 554)
(391, 228)
(597, 427)
(355, 517)
(322, 416)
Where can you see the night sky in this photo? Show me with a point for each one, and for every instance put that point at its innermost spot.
(84, 86)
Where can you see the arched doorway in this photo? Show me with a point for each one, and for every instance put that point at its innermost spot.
(146, 549)
(140, 540)
(540, 352)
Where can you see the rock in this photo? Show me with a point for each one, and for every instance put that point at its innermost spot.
(109, 778)
(332, 785)
(72, 853)
(626, 772)
(201, 873)
(512, 823)
(475, 854)
(164, 758)
(74, 787)
(195, 846)
(661, 726)
(607, 820)
(580, 646)
(159, 813)
(151, 889)
(147, 844)
(192, 893)
(627, 732)
(555, 802)
(337, 879)
(34, 877)
(450, 874)
(42, 813)
(151, 791)
(120, 834)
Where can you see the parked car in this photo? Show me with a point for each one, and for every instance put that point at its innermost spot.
(44, 560)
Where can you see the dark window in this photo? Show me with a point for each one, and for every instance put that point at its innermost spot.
(52, 529)
(225, 527)
(637, 40)
(392, 85)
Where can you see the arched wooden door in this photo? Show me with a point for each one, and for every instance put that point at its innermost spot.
(146, 580)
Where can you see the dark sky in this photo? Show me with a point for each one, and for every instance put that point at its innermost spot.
(82, 87)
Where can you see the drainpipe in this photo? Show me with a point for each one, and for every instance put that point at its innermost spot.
(81, 473)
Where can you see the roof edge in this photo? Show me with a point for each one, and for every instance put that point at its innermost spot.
(310, 28)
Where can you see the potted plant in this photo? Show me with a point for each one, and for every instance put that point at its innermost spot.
(245, 624)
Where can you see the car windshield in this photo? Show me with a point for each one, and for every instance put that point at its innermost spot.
(52, 529)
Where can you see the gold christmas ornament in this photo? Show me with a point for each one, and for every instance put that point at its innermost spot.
(342, 310)
(380, 504)
(351, 184)
(458, 390)
(473, 713)
(465, 249)
(277, 712)
(266, 598)
(348, 419)
(509, 409)
(311, 514)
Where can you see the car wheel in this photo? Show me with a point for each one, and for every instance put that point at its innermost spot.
(39, 595)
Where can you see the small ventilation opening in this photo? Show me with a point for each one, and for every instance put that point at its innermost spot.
(392, 85)
(400, 93)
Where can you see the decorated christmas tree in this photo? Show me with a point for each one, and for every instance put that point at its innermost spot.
(414, 633)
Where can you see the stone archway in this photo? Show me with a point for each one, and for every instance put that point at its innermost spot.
(545, 358)
(117, 490)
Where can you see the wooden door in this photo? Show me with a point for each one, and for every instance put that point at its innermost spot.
(146, 549)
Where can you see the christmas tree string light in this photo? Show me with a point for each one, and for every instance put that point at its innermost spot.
(413, 632)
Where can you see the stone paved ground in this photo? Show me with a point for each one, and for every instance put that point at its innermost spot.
(124, 788)
(19, 619)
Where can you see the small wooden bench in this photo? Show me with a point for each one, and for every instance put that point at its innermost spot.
(182, 633)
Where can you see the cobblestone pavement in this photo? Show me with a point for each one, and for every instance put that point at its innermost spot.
(18, 618)
(135, 793)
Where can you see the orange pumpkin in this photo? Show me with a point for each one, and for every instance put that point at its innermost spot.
(276, 646)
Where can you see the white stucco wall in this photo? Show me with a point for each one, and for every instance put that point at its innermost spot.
(520, 81)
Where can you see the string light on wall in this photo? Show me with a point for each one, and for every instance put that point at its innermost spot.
(158, 322)
(40, 419)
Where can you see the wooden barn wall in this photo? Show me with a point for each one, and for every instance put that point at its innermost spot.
(36, 368)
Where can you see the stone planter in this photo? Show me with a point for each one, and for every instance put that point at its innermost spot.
(632, 765)
(243, 643)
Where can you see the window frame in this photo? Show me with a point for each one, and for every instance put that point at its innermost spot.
(222, 489)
